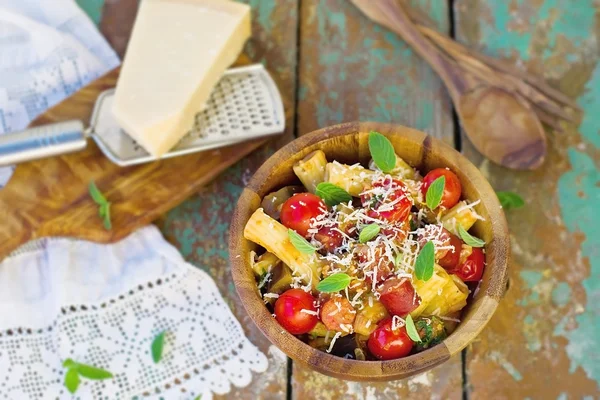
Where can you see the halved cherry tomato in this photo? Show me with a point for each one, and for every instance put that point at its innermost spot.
(450, 260)
(445, 257)
(289, 314)
(385, 267)
(472, 269)
(398, 296)
(337, 311)
(298, 210)
(386, 343)
(452, 188)
(330, 238)
(377, 207)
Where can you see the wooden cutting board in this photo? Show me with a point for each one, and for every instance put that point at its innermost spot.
(50, 197)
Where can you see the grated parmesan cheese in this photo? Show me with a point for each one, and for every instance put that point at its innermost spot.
(335, 337)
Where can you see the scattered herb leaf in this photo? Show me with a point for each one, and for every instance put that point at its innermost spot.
(332, 194)
(425, 262)
(77, 370)
(198, 397)
(468, 238)
(93, 373)
(103, 205)
(382, 151)
(368, 233)
(411, 329)
(157, 347)
(334, 283)
(300, 243)
(72, 380)
(435, 193)
(510, 200)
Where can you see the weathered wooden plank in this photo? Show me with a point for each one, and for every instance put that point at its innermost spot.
(351, 69)
(199, 227)
(543, 340)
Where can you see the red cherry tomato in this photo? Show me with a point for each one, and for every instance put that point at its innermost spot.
(370, 260)
(398, 296)
(452, 187)
(288, 311)
(388, 344)
(298, 210)
(330, 238)
(472, 269)
(450, 260)
(336, 312)
(400, 195)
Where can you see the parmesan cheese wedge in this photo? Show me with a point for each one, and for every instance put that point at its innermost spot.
(178, 51)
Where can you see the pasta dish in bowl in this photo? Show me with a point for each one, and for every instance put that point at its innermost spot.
(369, 251)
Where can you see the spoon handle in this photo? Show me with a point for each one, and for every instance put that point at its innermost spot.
(389, 13)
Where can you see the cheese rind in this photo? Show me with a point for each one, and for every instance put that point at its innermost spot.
(178, 51)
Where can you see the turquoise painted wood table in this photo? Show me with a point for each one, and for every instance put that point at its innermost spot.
(333, 65)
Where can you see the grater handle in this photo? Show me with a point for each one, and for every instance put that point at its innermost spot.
(41, 142)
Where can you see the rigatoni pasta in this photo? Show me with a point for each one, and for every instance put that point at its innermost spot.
(311, 170)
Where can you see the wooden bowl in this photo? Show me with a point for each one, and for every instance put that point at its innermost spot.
(347, 143)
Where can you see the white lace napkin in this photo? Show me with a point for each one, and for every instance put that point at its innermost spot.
(103, 305)
(48, 50)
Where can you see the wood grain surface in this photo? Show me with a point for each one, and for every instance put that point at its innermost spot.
(50, 197)
(543, 343)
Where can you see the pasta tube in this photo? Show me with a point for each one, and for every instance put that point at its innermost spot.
(311, 170)
(428, 290)
(441, 295)
(352, 178)
(460, 214)
(273, 236)
(402, 169)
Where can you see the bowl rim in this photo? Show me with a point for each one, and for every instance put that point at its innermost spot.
(336, 366)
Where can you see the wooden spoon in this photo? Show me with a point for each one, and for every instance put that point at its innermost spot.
(499, 123)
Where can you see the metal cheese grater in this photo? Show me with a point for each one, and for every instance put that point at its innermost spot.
(244, 105)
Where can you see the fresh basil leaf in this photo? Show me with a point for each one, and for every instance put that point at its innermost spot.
(69, 363)
(198, 397)
(382, 151)
(510, 200)
(157, 347)
(425, 262)
(72, 380)
(91, 372)
(368, 233)
(300, 243)
(106, 216)
(332, 194)
(96, 195)
(435, 193)
(468, 238)
(411, 329)
(334, 283)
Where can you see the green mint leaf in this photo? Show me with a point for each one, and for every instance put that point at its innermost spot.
(106, 216)
(332, 194)
(93, 373)
(334, 283)
(468, 238)
(435, 192)
(510, 200)
(157, 347)
(411, 329)
(425, 262)
(368, 233)
(72, 380)
(382, 151)
(96, 195)
(300, 243)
